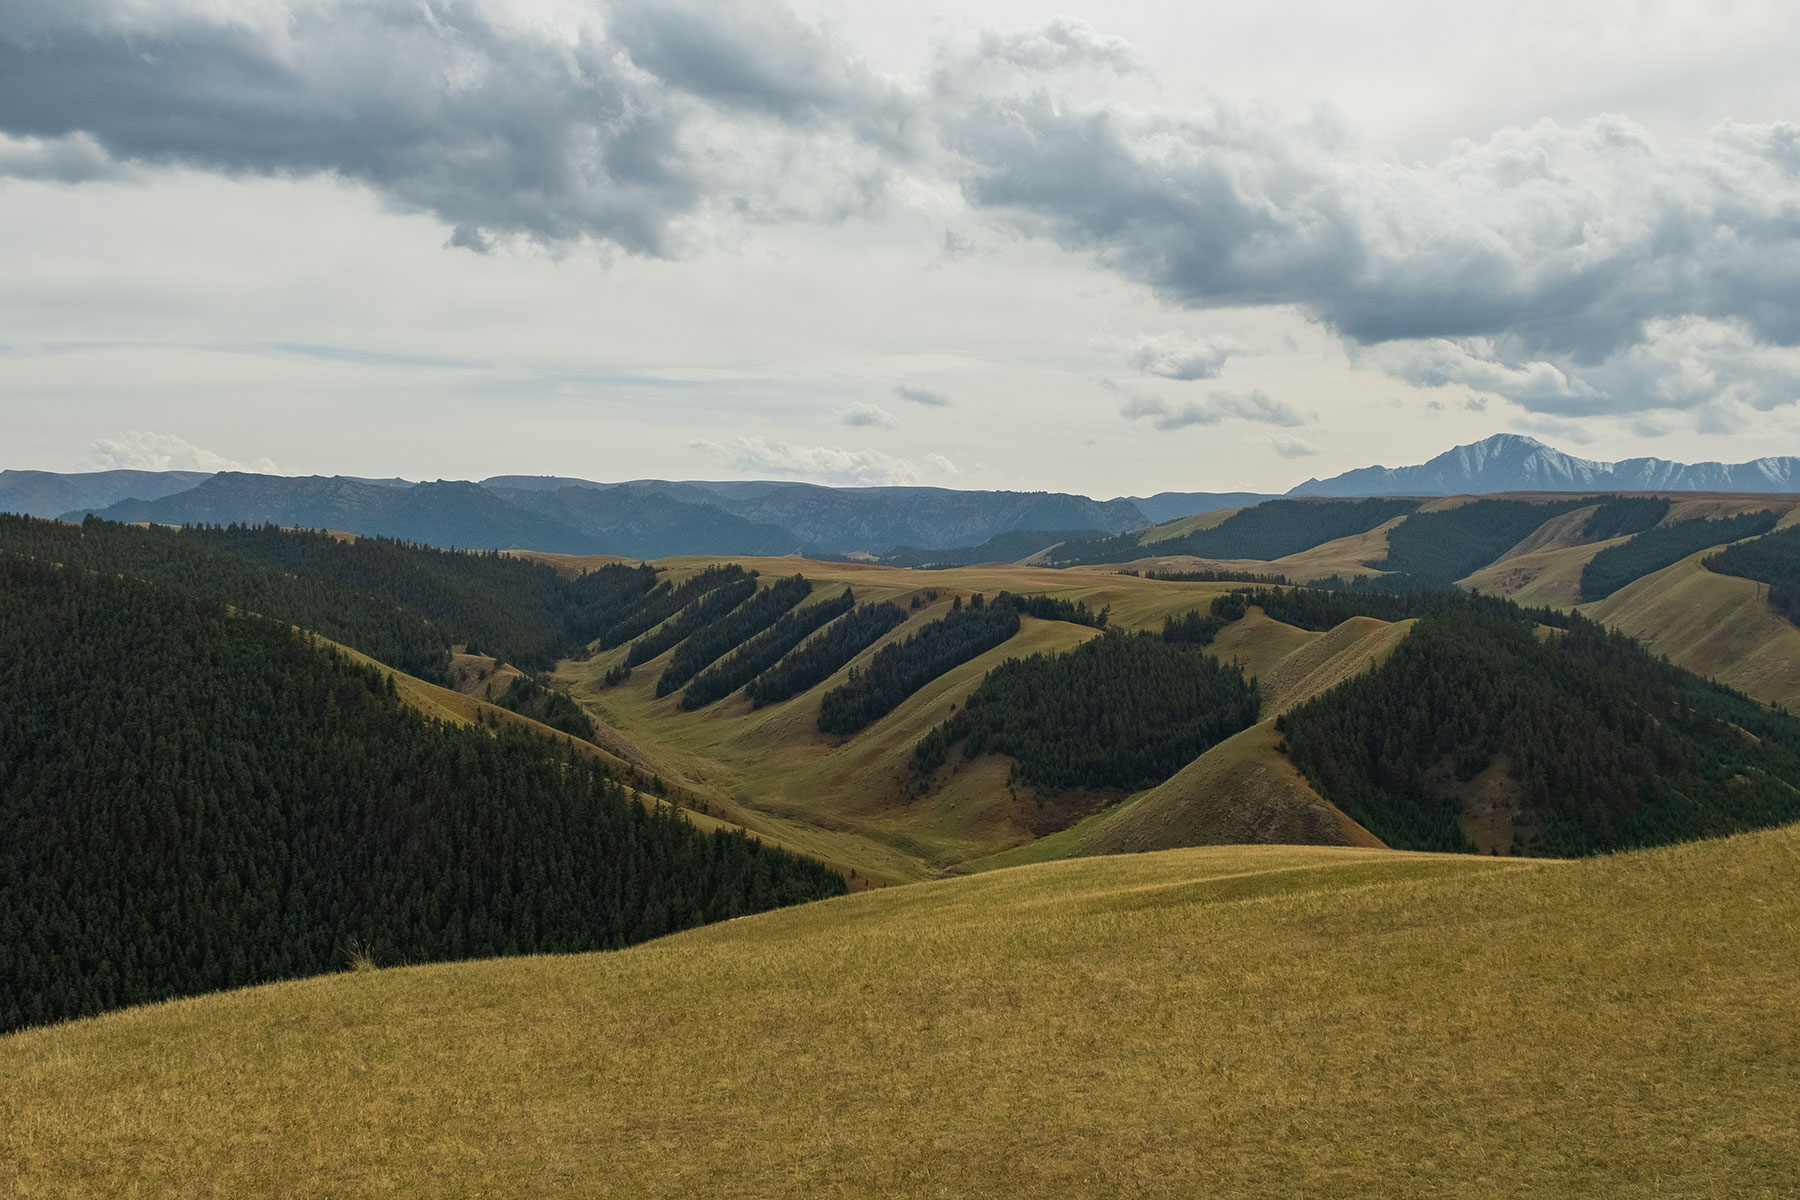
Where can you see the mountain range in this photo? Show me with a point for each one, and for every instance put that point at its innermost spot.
(1510, 462)
(652, 518)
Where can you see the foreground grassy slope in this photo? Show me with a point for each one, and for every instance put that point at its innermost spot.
(1253, 1021)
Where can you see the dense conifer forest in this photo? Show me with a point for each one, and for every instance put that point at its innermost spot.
(763, 651)
(1774, 560)
(1124, 710)
(818, 659)
(902, 668)
(1654, 549)
(1604, 746)
(706, 645)
(191, 800)
(1272, 529)
(403, 605)
(1050, 608)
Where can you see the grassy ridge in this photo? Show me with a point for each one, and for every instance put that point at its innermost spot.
(1258, 1022)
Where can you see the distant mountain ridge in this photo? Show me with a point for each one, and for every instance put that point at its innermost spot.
(656, 518)
(1511, 462)
(641, 519)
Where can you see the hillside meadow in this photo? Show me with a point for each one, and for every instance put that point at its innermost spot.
(1251, 1021)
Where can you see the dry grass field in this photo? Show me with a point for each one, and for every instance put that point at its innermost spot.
(1246, 1021)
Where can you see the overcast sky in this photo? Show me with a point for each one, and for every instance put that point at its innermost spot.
(1110, 249)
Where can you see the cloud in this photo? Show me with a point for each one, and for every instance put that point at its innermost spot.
(141, 450)
(637, 132)
(1572, 267)
(921, 395)
(1686, 364)
(819, 464)
(1178, 356)
(872, 416)
(75, 158)
(943, 464)
(1254, 406)
(1289, 447)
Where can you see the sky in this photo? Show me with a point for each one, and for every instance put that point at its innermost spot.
(1109, 249)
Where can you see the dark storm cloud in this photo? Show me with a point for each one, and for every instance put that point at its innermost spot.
(441, 109)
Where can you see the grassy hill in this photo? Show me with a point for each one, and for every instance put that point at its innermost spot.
(1245, 1021)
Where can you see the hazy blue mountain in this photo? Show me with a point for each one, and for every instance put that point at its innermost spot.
(639, 523)
(839, 520)
(1171, 506)
(443, 513)
(1510, 462)
(48, 493)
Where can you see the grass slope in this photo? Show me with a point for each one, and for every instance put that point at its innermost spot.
(1719, 626)
(1258, 1022)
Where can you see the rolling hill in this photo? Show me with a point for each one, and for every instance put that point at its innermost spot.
(1246, 1021)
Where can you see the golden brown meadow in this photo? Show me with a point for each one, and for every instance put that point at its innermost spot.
(1244, 1021)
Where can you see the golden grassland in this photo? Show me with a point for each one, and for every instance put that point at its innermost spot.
(1246, 1021)
(1719, 626)
(1182, 526)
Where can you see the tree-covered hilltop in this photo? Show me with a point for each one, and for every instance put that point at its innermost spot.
(404, 605)
(1774, 560)
(1272, 529)
(1603, 746)
(902, 668)
(705, 646)
(1123, 710)
(763, 651)
(191, 800)
(1654, 549)
(818, 659)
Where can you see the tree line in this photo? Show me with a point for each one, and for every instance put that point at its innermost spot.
(665, 600)
(818, 659)
(1654, 549)
(706, 645)
(192, 800)
(709, 606)
(901, 668)
(763, 651)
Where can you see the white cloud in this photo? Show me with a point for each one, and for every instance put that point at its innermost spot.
(818, 464)
(871, 416)
(943, 464)
(141, 450)
(921, 395)
(1175, 355)
(1254, 406)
